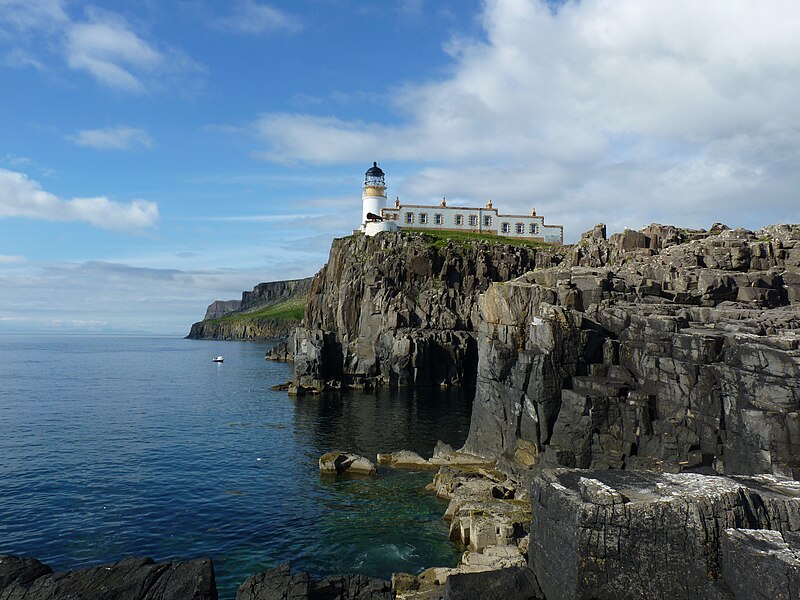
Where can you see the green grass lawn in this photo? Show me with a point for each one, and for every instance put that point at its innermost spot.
(288, 310)
(441, 238)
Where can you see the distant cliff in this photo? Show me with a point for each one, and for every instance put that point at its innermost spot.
(271, 310)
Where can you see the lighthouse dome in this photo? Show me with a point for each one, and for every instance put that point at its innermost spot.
(374, 171)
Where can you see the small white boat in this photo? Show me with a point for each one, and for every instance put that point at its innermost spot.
(218, 359)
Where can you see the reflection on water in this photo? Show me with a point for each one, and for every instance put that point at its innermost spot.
(384, 421)
(119, 446)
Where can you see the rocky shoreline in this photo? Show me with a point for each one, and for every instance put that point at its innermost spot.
(605, 534)
(635, 431)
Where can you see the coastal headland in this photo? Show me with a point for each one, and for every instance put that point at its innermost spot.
(636, 424)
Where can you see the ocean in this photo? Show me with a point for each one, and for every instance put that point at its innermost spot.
(115, 446)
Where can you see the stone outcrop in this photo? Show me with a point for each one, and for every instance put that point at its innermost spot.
(239, 325)
(129, 579)
(666, 354)
(618, 535)
(220, 308)
(242, 330)
(339, 463)
(274, 292)
(400, 309)
(281, 584)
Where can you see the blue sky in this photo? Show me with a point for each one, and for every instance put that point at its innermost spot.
(155, 156)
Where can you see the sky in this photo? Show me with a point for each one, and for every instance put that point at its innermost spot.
(156, 156)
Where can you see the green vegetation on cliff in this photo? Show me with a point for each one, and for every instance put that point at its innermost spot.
(288, 310)
(441, 238)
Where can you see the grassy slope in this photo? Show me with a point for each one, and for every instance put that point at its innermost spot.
(288, 310)
(441, 238)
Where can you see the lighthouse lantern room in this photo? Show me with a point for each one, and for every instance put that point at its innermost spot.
(373, 202)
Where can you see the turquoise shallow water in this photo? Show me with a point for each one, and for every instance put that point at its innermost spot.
(119, 446)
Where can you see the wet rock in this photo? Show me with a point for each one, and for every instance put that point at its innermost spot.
(276, 584)
(351, 587)
(129, 579)
(405, 459)
(281, 584)
(338, 463)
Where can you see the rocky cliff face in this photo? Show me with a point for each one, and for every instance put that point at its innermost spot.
(242, 329)
(660, 349)
(220, 308)
(244, 320)
(273, 292)
(401, 309)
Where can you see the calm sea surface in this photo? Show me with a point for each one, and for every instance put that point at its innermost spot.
(119, 446)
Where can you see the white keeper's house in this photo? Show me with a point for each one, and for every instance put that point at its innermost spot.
(376, 217)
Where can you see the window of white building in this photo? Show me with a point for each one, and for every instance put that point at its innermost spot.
(423, 218)
(473, 220)
(534, 228)
(487, 221)
(438, 219)
(459, 219)
(520, 227)
(409, 217)
(505, 228)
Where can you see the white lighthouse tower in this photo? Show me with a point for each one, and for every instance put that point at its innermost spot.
(373, 202)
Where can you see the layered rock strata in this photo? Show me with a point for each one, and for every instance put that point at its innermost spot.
(400, 309)
(251, 330)
(618, 535)
(673, 357)
(244, 327)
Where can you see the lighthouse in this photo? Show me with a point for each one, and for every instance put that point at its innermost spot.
(373, 201)
(374, 195)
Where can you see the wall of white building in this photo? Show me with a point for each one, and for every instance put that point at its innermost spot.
(476, 220)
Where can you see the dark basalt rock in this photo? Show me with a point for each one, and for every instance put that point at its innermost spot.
(515, 583)
(276, 584)
(129, 579)
(399, 309)
(281, 584)
(653, 362)
(618, 535)
(761, 564)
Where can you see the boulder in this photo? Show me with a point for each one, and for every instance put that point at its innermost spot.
(515, 583)
(281, 584)
(761, 564)
(338, 463)
(634, 534)
(129, 579)
(278, 583)
(404, 459)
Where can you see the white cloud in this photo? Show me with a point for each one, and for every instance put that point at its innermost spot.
(113, 54)
(623, 110)
(25, 15)
(101, 44)
(252, 17)
(6, 259)
(113, 138)
(23, 197)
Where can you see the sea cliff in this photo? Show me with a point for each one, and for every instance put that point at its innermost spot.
(271, 310)
(401, 309)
